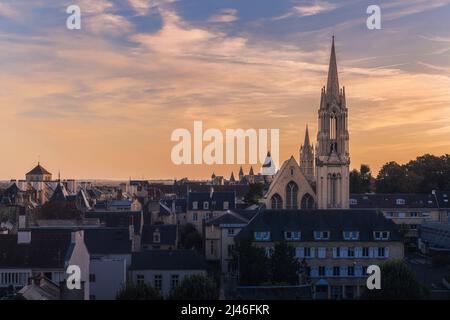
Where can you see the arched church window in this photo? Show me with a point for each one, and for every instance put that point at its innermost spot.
(276, 202)
(307, 202)
(333, 126)
(291, 195)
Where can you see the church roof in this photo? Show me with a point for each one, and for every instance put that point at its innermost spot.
(306, 143)
(38, 170)
(241, 172)
(232, 179)
(251, 173)
(333, 81)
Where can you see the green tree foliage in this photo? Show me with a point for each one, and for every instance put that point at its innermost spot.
(142, 291)
(195, 287)
(360, 181)
(398, 282)
(254, 194)
(190, 238)
(251, 262)
(422, 175)
(284, 264)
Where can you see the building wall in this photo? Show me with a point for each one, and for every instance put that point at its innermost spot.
(109, 275)
(149, 277)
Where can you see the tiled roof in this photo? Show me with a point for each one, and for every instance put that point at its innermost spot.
(38, 170)
(168, 234)
(218, 197)
(118, 219)
(46, 250)
(108, 241)
(308, 221)
(167, 260)
(387, 201)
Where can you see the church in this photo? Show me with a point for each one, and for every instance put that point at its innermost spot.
(320, 180)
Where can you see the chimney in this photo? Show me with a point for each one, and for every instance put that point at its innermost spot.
(75, 234)
(173, 206)
(22, 221)
(131, 228)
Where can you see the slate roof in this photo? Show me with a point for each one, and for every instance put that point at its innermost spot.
(168, 234)
(180, 205)
(47, 250)
(167, 260)
(308, 221)
(38, 170)
(108, 241)
(218, 197)
(388, 201)
(118, 219)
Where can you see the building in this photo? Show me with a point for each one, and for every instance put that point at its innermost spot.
(336, 245)
(38, 174)
(47, 252)
(220, 233)
(324, 182)
(159, 236)
(165, 269)
(408, 211)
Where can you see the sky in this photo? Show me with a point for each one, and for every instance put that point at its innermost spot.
(103, 101)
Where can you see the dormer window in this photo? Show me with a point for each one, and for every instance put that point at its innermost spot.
(400, 201)
(156, 236)
(262, 236)
(353, 202)
(321, 235)
(194, 205)
(292, 235)
(225, 205)
(351, 235)
(381, 235)
(205, 205)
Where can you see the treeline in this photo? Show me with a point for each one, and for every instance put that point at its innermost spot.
(422, 175)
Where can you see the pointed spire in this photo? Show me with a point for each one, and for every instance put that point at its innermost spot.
(251, 173)
(306, 143)
(333, 82)
(232, 177)
(241, 172)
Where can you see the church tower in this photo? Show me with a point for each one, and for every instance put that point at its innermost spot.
(332, 149)
(307, 158)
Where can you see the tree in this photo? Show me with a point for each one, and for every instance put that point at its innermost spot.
(141, 291)
(284, 264)
(398, 282)
(195, 287)
(251, 263)
(190, 238)
(360, 181)
(254, 194)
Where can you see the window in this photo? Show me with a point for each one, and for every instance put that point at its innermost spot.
(262, 236)
(321, 235)
(353, 202)
(276, 201)
(309, 252)
(365, 252)
(157, 282)
(381, 252)
(211, 246)
(226, 205)
(292, 235)
(351, 252)
(291, 195)
(401, 214)
(174, 280)
(351, 271)
(413, 226)
(195, 205)
(337, 252)
(400, 201)
(389, 214)
(92, 277)
(205, 205)
(156, 237)
(351, 235)
(381, 235)
(336, 271)
(140, 279)
(322, 253)
(230, 232)
(195, 216)
(307, 202)
(230, 250)
(321, 271)
(269, 251)
(413, 214)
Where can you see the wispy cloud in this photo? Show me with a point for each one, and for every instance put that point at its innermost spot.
(315, 7)
(226, 15)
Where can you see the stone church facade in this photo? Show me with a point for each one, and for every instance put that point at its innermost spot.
(321, 178)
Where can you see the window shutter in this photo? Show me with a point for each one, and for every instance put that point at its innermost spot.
(328, 271)
(314, 271)
(343, 271)
(386, 252)
(322, 252)
(358, 271)
(372, 253)
(344, 252)
(300, 252)
(334, 253)
(313, 252)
